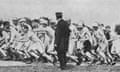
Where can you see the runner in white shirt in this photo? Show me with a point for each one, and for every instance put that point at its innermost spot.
(116, 41)
(85, 42)
(7, 35)
(3, 41)
(72, 44)
(46, 35)
(101, 41)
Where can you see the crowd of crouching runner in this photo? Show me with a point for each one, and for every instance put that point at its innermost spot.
(27, 40)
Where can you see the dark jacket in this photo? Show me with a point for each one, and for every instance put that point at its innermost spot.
(62, 33)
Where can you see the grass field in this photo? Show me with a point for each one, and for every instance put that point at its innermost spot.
(10, 66)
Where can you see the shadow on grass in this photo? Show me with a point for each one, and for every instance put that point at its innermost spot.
(69, 67)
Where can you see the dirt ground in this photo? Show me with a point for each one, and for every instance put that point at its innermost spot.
(9, 66)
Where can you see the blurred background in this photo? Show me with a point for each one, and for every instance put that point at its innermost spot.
(103, 11)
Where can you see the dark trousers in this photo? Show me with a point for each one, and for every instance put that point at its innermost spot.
(62, 59)
(61, 51)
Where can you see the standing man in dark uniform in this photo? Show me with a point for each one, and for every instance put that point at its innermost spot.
(62, 33)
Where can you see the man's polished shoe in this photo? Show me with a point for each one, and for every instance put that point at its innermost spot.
(63, 68)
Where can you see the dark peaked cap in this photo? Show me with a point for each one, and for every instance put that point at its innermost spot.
(59, 14)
